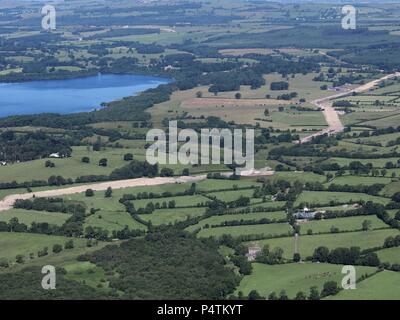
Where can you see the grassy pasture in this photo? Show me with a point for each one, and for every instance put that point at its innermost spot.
(216, 220)
(215, 184)
(391, 188)
(384, 285)
(112, 220)
(369, 117)
(383, 139)
(293, 277)
(182, 201)
(297, 119)
(307, 244)
(384, 122)
(29, 216)
(344, 224)
(88, 273)
(377, 163)
(232, 195)
(359, 180)
(166, 216)
(275, 229)
(68, 167)
(12, 244)
(390, 255)
(325, 197)
(362, 148)
(298, 176)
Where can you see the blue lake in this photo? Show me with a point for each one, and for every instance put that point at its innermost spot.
(70, 96)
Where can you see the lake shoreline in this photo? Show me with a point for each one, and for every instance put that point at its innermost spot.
(69, 96)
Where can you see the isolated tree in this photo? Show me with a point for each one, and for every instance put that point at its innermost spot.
(172, 204)
(314, 294)
(69, 244)
(57, 248)
(238, 95)
(199, 94)
(254, 295)
(330, 288)
(85, 160)
(296, 257)
(128, 157)
(300, 296)
(89, 193)
(366, 225)
(43, 252)
(103, 162)
(329, 177)
(19, 258)
(272, 296)
(4, 263)
(166, 172)
(108, 193)
(321, 254)
(396, 197)
(283, 295)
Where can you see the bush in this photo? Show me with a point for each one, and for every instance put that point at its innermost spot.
(89, 193)
(103, 162)
(69, 244)
(108, 193)
(166, 172)
(128, 157)
(57, 248)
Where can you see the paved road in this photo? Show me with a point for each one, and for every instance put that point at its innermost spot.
(332, 116)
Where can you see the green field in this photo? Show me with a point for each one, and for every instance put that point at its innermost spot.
(228, 196)
(343, 224)
(215, 184)
(390, 255)
(216, 220)
(325, 197)
(67, 168)
(29, 216)
(167, 216)
(360, 180)
(307, 244)
(87, 273)
(275, 229)
(13, 244)
(382, 286)
(293, 277)
(181, 201)
(377, 163)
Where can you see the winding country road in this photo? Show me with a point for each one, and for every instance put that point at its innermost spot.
(332, 116)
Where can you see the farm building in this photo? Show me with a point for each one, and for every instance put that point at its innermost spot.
(305, 214)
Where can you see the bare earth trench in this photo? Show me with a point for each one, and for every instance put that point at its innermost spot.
(332, 116)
